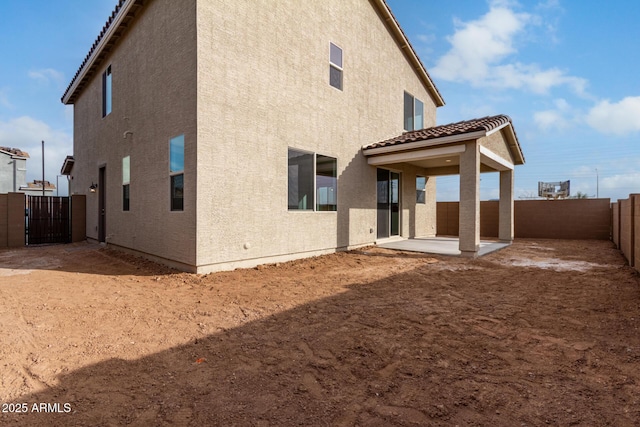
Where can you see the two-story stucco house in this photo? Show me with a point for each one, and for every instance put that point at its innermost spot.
(13, 169)
(212, 135)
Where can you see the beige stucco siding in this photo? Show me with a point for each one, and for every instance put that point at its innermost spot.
(497, 143)
(154, 91)
(263, 86)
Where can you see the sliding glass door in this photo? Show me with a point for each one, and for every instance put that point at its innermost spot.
(388, 203)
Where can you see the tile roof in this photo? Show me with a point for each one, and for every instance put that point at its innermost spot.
(485, 124)
(87, 67)
(37, 183)
(101, 47)
(15, 152)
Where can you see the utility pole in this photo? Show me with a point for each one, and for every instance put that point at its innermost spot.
(43, 168)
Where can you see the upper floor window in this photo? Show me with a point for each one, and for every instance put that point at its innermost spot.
(176, 172)
(413, 113)
(106, 92)
(335, 66)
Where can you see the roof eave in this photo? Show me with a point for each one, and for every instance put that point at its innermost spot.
(412, 145)
(67, 166)
(514, 145)
(407, 48)
(125, 8)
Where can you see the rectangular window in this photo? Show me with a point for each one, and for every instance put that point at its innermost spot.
(335, 66)
(126, 176)
(413, 113)
(326, 183)
(312, 181)
(177, 192)
(300, 180)
(176, 172)
(421, 189)
(106, 92)
(418, 121)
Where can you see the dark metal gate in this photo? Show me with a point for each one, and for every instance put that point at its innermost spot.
(48, 220)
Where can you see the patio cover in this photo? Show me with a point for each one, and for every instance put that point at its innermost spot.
(466, 148)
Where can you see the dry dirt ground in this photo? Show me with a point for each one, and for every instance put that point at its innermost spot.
(543, 332)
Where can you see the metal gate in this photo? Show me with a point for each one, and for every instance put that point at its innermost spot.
(48, 220)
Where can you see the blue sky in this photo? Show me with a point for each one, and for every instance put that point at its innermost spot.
(565, 71)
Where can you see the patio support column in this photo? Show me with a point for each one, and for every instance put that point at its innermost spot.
(469, 218)
(505, 216)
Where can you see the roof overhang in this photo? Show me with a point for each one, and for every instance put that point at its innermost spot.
(408, 50)
(124, 12)
(456, 133)
(15, 153)
(67, 165)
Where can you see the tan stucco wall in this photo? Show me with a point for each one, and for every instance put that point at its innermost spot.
(154, 96)
(497, 143)
(263, 71)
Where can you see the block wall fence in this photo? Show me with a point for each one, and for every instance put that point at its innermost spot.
(13, 222)
(538, 219)
(625, 220)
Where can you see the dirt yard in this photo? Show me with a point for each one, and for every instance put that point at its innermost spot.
(544, 332)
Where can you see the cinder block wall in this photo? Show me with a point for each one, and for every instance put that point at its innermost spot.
(12, 220)
(615, 223)
(4, 222)
(78, 218)
(447, 217)
(636, 231)
(543, 219)
(625, 228)
(489, 223)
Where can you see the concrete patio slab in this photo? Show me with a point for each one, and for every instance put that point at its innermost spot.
(439, 245)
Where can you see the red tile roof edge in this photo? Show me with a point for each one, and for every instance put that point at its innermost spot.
(15, 151)
(485, 124)
(95, 44)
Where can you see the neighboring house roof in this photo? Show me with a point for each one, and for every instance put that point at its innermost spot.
(37, 185)
(14, 152)
(67, 165)
(459, 131)
(126, 10)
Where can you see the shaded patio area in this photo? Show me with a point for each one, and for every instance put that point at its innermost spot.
(440, 245)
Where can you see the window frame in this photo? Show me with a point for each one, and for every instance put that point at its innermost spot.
(107, 91)
(413, 116)
(314, 205)
(126, 184)
(421, 193)
(335, 66)
(174, 175)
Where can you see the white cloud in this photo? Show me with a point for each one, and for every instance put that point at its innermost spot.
(26, 133)
(4, 99)
(559, 118)
(46, 75)
(479, 49)
(619, 118)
